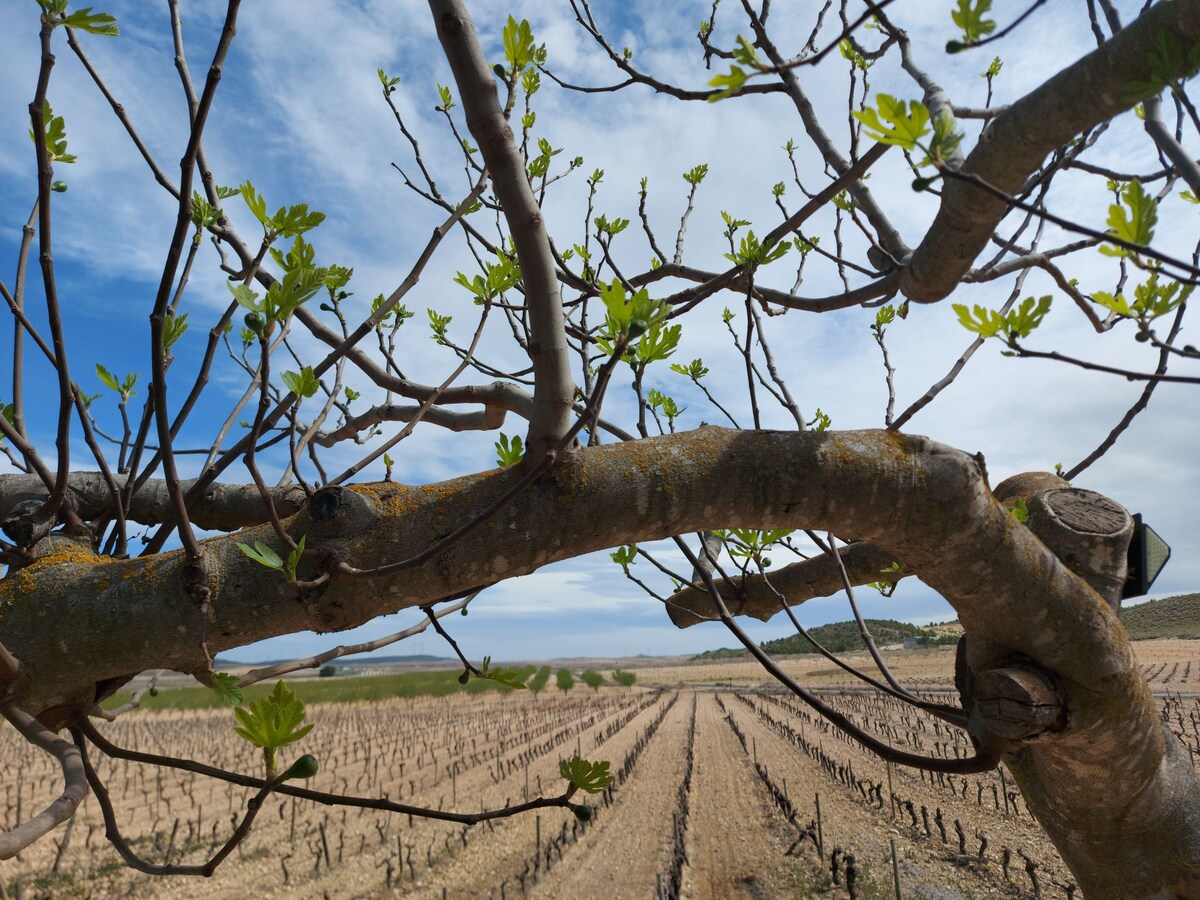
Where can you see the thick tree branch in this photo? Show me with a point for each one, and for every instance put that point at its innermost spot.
(223, 507)
(1085, 94)
(758, 597)
(554, 389)
(923, 503)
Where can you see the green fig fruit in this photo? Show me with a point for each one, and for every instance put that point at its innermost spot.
(304, 767)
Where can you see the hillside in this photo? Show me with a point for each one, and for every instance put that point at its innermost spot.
(840, 637)
(1177, 617)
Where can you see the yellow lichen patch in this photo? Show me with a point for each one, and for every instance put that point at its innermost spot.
(67, 553)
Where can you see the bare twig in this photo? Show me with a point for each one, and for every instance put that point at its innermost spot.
(75, 782)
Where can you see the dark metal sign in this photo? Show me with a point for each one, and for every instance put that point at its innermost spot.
(1148, 554)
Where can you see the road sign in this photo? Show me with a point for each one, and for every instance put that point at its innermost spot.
(1148, 553)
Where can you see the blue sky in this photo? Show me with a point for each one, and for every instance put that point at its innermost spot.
(299, 113)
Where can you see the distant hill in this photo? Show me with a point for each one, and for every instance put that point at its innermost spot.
(841, 637)
(1177, 617)
(1171, 617)
(224, 663)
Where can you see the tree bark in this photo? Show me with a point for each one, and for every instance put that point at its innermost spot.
(223, 507)
(74, 620)
(1093, 90)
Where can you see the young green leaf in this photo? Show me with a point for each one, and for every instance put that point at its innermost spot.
(256, 204)
(969, 16)
(727, 85)
(1019, 509)
(1132, 220)
(204, 214)
(293, 559)
(1016, 323)
(944, 142)
(1170, 66)
(173, 329)
(227, 688)
(389, 84)
(9, 412)
(303, 383)
(124, 387)
(245, 297)
(55, 136)
(273, 722)
(262, 554)
(625, 556)
(752, 252)
(93, 23)
(1151, 300)
(509, 452)
(891, 123)
(744, 54)
(613, 228)
(695, 175)
(438, 324)
(694, 370)
(106, 378)
(519, 49)
(511, 678)
(585, 776)
(658, 342)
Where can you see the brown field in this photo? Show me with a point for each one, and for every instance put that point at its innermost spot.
(716, 797)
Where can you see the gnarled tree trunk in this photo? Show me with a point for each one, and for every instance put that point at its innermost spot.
(1112, 788)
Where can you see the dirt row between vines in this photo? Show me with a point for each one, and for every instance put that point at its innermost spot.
(865, 828)
(733, 818)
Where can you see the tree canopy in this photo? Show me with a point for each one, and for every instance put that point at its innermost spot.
(525, 353)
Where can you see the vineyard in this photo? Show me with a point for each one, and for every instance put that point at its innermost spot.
(718, 793)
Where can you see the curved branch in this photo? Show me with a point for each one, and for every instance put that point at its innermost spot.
(75, 782)
(329, 799)
(1188, 170)
(487, 419)
(875, 485)
(223, 507)
(984, 759)
(759, 597)
(1081, 96)
(926, 504)
(262, 674)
